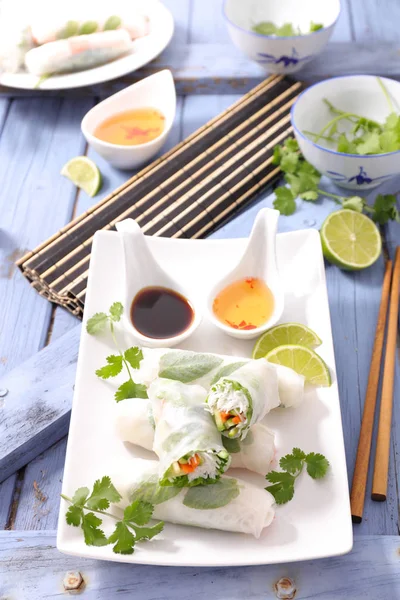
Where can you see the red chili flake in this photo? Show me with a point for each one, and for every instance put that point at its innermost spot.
(242, 325)
(131, 132)
(232, 324)
(250, 281)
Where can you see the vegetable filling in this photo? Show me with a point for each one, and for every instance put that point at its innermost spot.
(229, 404)
(197, 469)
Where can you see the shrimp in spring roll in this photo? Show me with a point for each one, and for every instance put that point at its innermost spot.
(231, 504)
(243, 398)
(134, 423)
(77, 53)
(186, 440)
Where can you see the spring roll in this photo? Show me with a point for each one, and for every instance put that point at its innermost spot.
(229, 505)
(206, 369)
(186, 440)
(134, 423)
(243, 398)
(77, 53)
(54, 27)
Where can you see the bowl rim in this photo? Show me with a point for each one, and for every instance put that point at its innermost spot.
(280, 37)
(329, 150)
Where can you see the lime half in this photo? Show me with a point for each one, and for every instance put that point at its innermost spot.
(304, 361)
(350, 240)
(84, 174)
(286, 333)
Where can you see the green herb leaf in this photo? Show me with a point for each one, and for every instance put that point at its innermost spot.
(389, 141)
(345, 146)
(130, 389)
(289, 162)
(292, 463)
(281, 492)
(112, 22)
(370, 144)
(232, 445)
(315, 26)
(212, 496)
(147, 533)
(79, 498)
(317, 465)
(385, 209)
(227, 370)
(124, 538)
(138, 512)
(265, 28)
(310, 196)
(354, 203)
(287, 30)
(116, 311)
(187, 366)
(134, 355)
(88, 27)
(284, 201)
(113, 368)
(91, 532)
(97, 323)
(280, 477)
(103, 493)
(71, 28)
(154, 493)
(74, 515)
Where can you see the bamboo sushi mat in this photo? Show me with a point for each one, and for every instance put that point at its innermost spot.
(187, 193)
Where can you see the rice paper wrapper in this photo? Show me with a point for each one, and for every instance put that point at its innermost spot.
(134, 422)
(250, 511)
(254, 453)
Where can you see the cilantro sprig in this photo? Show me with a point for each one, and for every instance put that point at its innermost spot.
(130, 529)
(283, 482)
(116, 362)
(285, 30)
(304, 182)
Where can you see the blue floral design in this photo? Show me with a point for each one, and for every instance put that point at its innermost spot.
(287, 61)
(360, 179)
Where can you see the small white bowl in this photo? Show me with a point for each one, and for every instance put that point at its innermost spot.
(281, 54)
(156, 91)
(362, 95)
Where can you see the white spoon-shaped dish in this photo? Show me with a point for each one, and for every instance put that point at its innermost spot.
(259, 261)
(156, 91)
(142, 271)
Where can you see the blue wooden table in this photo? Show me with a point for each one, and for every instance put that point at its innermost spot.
(39, 133)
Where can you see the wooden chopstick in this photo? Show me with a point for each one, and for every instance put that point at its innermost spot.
(381, 470)
(360, 475)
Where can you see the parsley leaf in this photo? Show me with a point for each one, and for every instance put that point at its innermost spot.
(116, 311)
(103, 493)
(292, 463)
(317, 465)
(133, 355)
(130, 389)
(113, 368)
(92, 534)
(284, 201)
(97, 323)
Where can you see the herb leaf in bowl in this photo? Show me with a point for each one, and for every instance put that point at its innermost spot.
(285, 30)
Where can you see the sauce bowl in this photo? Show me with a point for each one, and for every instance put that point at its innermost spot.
(156, 91)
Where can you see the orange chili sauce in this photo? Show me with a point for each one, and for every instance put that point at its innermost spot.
(244, 304)
(132, 127)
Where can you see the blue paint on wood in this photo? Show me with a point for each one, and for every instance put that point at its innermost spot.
(31, 567)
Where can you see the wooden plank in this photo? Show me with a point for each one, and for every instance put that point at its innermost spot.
(31, 567)
(373, 21)
(196, 70)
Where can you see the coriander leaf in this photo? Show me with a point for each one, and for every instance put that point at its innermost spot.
(133, 355)
(289, 162)
(389, 141)
(116, 311)
(97, 323)
(293, 463)
(277, 156)
(138, 512)
(74, 515)
(280, 477)
(345, 146)
(385, 209)
(315, 26)
(317, 465)
(370, 144)
(130, 389)
(310, 196)
(147, 533)
(287, 30)
(113, 368)
(92, 534)
(291, 145)
(103, 493)
(392, 121)
(284, 201)
(265, 28)
(281, 492)
(79, 498)
(354, 203)
(124, 539)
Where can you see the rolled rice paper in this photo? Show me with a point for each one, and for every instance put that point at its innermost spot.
(244, 508)
(243, 398)
(186, 440)
(134, 423)
(205, 369)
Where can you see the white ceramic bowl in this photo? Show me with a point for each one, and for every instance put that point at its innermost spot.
(281, 54)
(156, 91)
(362, 95)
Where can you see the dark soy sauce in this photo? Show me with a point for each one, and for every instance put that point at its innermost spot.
(160, 313)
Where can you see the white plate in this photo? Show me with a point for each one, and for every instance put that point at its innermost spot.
(143, 51)
(317, 522)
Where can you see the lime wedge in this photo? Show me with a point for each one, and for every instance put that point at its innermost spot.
(84, 174)
(287, 333)
(350, 240)
(304, 361)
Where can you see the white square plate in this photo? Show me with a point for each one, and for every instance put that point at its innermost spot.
(317, 522)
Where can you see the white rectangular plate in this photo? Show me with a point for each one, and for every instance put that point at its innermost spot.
(317, 522)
